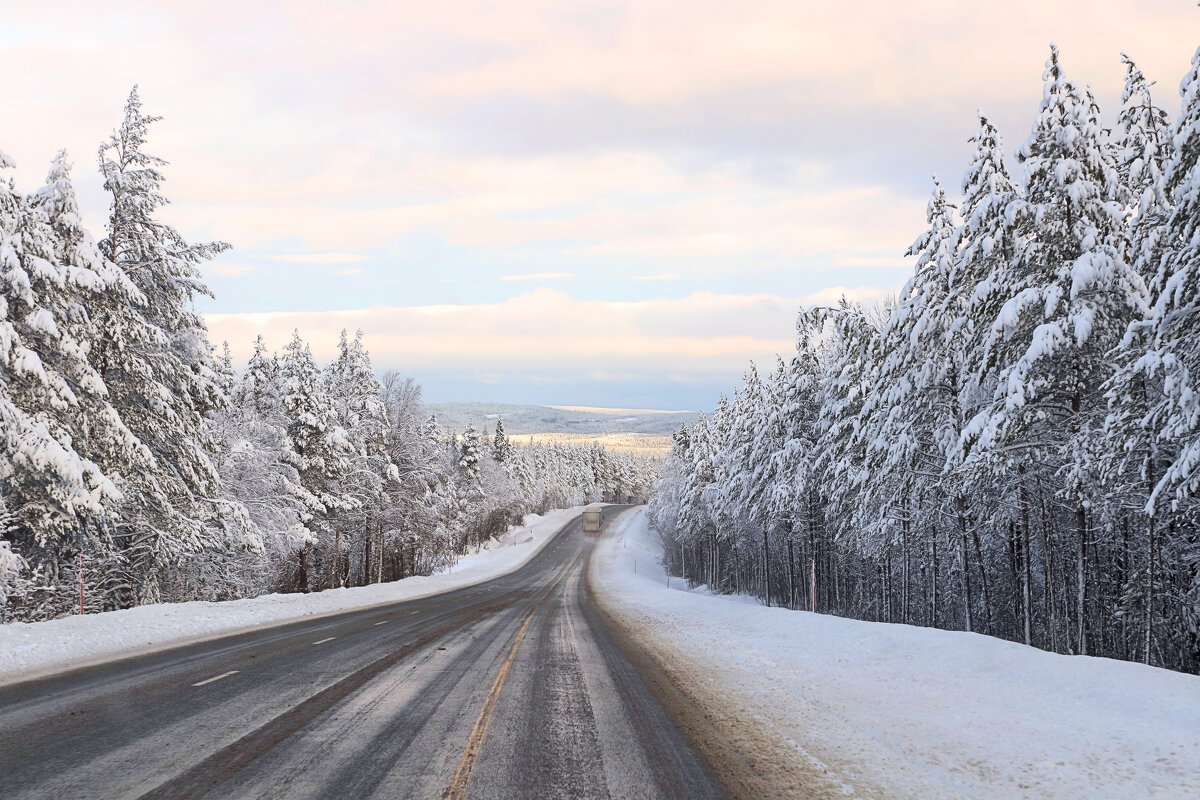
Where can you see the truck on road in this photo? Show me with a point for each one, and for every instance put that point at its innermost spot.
(591, 521)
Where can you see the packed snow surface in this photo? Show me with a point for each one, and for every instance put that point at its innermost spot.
(40, 648)
(833, 707)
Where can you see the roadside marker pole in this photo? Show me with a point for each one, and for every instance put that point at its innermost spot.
(81, 583)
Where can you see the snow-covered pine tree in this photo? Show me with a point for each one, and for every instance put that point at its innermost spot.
(913, 416)
(1173, 358)
(790, 469)
(1133, 454)
(851, 358)
(1144, 149)
(1071, 297)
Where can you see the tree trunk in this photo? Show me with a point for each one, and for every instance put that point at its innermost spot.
(960, 505)
(1013, 571)
(1151, 544)
(302, 577)
(983, 582)
(1149, 620)
(933, 575)
(904, 586)
(1026, 578)
(766, 570)
(367, 560)
(791, 547)
(379, 553)
(1122, 582)
(885, 578)
(812, 553)
(1081, 556)
(337, 551)
(1048, 559)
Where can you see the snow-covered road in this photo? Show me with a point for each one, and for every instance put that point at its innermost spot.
(33, 649)
(831, 707)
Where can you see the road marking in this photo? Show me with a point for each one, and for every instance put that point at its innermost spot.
(415, 612)
(218, 677)
(323, 641)
(384, 622)
(462, 776)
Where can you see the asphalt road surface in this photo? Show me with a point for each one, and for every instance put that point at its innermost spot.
(508, 689)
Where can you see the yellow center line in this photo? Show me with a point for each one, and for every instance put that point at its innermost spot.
(462, 776)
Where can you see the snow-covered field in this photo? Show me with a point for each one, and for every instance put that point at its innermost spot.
(41, 648)
(833, 707)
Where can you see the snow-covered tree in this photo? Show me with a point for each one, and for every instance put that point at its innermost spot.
(156, 362)
(501, 446)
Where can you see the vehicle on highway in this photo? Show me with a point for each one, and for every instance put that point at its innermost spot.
(592, 519)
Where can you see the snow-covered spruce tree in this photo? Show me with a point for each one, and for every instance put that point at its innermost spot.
(263, 505)
(501, 446)
(156, 362)
(323, 451)
(60, 439)
(412, 541)
(260, 387)
(15, 584)
(226, 374)
(468, 455)
(359, 408)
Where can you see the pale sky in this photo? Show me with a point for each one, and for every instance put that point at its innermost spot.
(587, 203)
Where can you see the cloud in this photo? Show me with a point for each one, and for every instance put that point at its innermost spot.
(745, 147)
(873, 261)
(701, 334)
(229, 270)
(319, 258)
(537, 276)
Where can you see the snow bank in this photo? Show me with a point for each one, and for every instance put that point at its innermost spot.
(41, 648)
(839, 708)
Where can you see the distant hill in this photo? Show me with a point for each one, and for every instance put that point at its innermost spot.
(520, 420)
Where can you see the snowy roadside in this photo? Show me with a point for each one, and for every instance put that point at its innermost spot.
(831, 707)
(34, 649)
